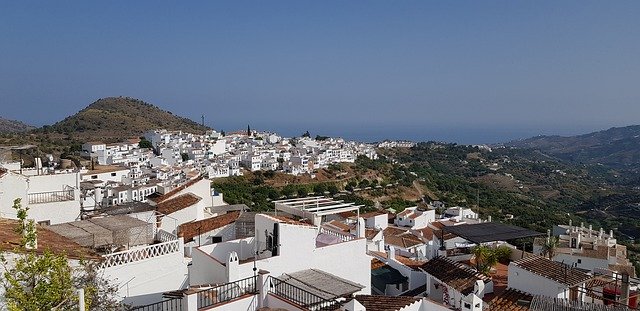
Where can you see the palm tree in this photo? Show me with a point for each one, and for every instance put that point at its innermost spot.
(485, 258)
(549, 247)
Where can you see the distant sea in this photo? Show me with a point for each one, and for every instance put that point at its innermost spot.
(466, 136)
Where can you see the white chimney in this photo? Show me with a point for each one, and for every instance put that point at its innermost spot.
(590, 229)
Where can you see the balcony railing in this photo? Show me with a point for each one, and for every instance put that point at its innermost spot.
(139, 254)
(174, 304)
(226, 292)
(300, 297)
(51, 196)
(342, 236)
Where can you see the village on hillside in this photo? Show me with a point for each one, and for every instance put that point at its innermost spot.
(145, 212)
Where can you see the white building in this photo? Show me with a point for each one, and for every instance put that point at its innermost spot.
(415, 218)
(51, 198)
(456, 285)
(540, 276)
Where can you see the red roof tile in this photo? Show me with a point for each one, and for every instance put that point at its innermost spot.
(385, 303)
(174, 191)
(180, 202)
(192, 229)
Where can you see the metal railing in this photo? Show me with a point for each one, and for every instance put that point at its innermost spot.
(139, 254)
(173, 304)
(226, 292)
(301, 297)
(50, 196)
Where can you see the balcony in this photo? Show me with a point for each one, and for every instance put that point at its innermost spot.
(51, 196)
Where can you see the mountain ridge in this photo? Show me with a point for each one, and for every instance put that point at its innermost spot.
(616, 147)
(113, 119)
(14, 126)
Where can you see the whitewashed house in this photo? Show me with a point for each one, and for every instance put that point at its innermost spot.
(456, 285)
(537, 275)
(415, 218)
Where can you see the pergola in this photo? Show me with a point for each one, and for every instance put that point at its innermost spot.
(315, 207)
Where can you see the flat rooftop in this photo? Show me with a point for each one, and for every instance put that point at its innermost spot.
(319, 206)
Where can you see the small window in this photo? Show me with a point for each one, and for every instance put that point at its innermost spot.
(113, 174)
(467, 305)
(94, 176)
(579, 261)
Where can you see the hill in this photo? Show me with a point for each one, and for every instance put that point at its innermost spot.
(617, 147)
(116, 118)
(13, 126)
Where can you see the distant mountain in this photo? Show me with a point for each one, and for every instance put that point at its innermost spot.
(617, 147)
(116, 118)
(13, 126)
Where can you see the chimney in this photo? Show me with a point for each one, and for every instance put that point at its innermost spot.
(232, 267)
(624, 289)
(601, 234)
(590, 229)
(611, 234)
(391, 252)
(361, 228)
(570, 224)
(489, 218)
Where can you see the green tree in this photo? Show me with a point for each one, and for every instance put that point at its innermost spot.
(549, 247)
(33, 281)
(144, 143)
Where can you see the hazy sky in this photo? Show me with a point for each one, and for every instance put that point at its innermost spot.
(465, 71)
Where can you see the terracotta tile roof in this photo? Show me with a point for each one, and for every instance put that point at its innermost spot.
(348, 214)
(411, 263)
(385, 303)
(405, 212)
(437, 225)
(339, 225)
(552, 270)
(47, 240)
(191, 229)
(182, 201)
(370, 233)
(174, 191)
(376, 263)
(401, 238)
(372, 214)
(508, 301)
(426, 233)
(454, 274)
(289, 221)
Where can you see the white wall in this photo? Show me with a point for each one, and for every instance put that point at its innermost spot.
(534, 284)
(12, 186)
(585, 262)
(143, 282)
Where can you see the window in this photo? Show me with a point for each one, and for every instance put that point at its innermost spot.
(94, 176)
(579, 261)
(113, 174)
(467, 305)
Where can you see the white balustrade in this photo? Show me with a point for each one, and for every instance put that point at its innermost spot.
(139, 254)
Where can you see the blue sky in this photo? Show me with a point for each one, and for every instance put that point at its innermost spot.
(464, 71)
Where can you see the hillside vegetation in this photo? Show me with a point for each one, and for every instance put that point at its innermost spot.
(13, 126)
(618, 147)
(116, 118)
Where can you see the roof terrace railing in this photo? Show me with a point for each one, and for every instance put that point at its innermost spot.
(139, 254)
(50, 196)
(173, 304)
(301, 297)
(226, 292)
